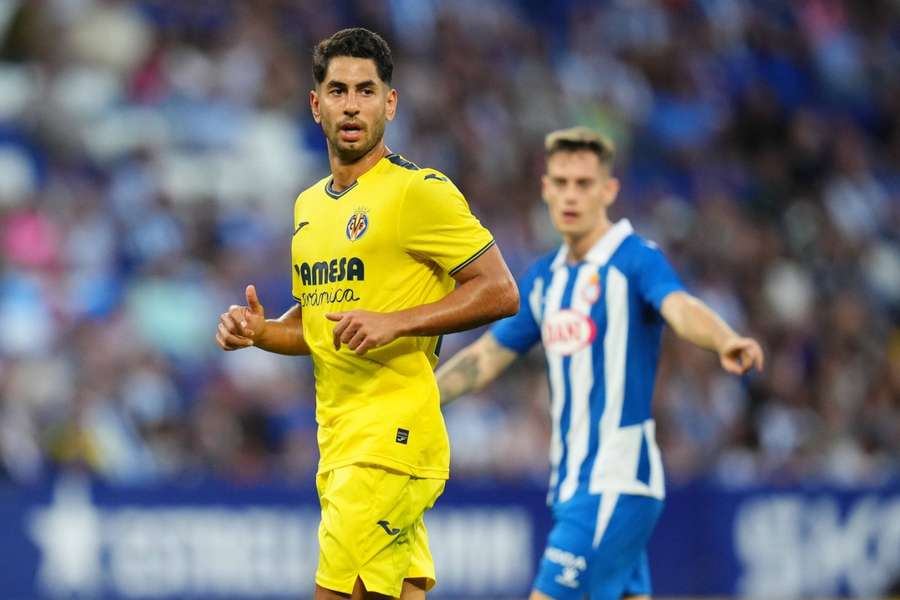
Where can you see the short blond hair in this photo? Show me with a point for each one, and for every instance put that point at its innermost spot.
(574, 139)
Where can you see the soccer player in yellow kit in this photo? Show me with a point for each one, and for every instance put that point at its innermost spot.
(387, 257)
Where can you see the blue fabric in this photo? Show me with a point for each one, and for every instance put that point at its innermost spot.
(573, 568)
(655, 277)
(521, 331)
(650, 279)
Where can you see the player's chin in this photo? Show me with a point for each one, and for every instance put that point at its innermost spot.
(350, 151)
(568, 227)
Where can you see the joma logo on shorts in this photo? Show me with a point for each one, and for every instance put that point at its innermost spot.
(568, 577)
(387, 528)
(402, 436)
(565, 559)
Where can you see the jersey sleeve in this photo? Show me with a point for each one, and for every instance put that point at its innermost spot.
(656, 277)
(435, 222)
(521, 331)
(295, 272)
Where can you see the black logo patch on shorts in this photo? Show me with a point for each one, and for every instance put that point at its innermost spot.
(388, 529)
(402, 436)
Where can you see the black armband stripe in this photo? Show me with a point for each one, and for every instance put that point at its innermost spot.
(472, 258)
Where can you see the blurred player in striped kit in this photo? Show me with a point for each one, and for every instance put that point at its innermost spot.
(598, 306)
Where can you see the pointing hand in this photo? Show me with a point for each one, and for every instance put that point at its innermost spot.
(739, 354)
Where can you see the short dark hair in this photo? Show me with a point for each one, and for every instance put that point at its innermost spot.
(580, 138)
(356, 42)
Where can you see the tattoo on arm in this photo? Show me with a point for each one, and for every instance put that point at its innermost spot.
(469, 369)
(473, 368)
(460, 377)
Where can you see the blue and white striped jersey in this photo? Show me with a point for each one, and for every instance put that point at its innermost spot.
(600, 324)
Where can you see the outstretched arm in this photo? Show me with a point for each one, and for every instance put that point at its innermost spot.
(244, 326)
(473, 367)
(695, 322)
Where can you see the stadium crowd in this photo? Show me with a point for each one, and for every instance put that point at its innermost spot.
(150, 153)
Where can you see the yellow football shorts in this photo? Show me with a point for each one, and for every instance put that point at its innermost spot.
(372, 527)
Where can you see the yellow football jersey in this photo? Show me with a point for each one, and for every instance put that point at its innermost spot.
(388, 242)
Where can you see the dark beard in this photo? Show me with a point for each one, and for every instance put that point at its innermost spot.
(347, 155)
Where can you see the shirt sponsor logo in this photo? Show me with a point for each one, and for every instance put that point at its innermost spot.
(335, 296)
(325, 272)
(567, 331)
(331, 271)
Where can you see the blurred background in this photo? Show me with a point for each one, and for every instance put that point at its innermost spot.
(150, 153)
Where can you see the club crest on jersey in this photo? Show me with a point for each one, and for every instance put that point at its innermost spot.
(567, 331)
(358, 224)
(591, 292)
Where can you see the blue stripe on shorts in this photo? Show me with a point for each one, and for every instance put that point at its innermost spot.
(574, 566)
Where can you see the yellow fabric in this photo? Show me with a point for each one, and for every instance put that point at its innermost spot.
(388, 242)
(372, 527)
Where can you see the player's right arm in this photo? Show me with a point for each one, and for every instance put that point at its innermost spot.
(473, 367)
(244, 326)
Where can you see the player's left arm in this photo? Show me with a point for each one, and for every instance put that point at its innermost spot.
(485, 292)
(697, 323)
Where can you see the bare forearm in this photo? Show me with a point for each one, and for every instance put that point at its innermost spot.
(284, 335)
(476, 302)
(695, 322)
(472, 368)
(486, 292)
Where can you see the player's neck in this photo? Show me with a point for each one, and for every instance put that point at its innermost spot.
(579, 246)
(343, 175)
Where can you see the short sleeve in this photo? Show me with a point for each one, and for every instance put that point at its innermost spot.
(521, 331)
(656, 277)
(435, 222)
